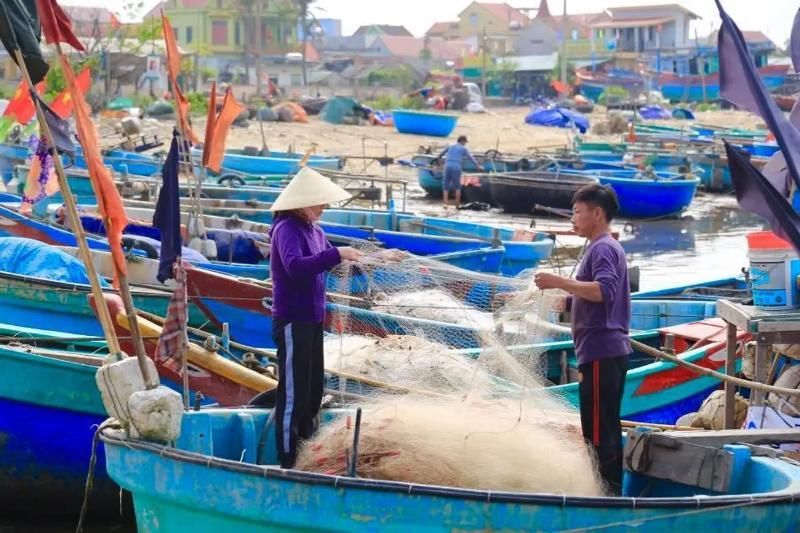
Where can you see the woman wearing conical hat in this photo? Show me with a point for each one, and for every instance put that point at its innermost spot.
(299, 258)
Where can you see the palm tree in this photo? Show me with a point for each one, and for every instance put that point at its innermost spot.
(305, 24)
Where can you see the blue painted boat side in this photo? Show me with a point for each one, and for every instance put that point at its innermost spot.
(210, 482)
(644, 198)
(275, 163)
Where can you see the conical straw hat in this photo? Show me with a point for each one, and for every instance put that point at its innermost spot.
(308, 188)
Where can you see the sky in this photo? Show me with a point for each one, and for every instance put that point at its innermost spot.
(418, 15)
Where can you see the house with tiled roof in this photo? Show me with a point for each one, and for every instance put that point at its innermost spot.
(446, 30)
(639, 29)
(382, 29)
(496, 23)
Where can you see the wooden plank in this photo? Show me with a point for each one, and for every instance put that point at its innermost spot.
(732, 436)
(768, 326)
(733, 314)
(730, 369)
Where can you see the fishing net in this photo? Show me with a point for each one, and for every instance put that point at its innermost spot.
(462, 361)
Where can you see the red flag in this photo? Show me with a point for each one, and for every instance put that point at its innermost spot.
(56, 26)
(173, 69)
(20, 107)
(115, 23)
(211, 122)
(109, 202)
(230, 110)
(63, 103)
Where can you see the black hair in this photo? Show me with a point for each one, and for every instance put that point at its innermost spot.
(601, 196)
(462, 138)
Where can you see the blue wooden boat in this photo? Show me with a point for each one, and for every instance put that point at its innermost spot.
(694, 88)
(419, 235)
(221, 475)
(643, 197)
(12, 154)
(423, 123)
(246, 162)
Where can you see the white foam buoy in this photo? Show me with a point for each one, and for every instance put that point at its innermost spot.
(117, 382)
(209, 248)
(196, 244)
(156, 414)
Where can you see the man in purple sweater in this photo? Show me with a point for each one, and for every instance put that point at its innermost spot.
(601, 312)
(300, 256)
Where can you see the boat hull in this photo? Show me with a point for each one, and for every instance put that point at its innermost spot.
(522, 193)
(180, 489)
(644, 198)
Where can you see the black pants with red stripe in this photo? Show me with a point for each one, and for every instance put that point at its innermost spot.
(301, 379)
(601, 386)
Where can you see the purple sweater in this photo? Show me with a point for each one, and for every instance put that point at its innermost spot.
(300, 254)
(600, 329)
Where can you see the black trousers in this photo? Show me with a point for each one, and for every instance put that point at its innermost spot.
(601, 386)
(300, 384)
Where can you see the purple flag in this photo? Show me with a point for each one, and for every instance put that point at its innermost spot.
(740, 83)
(755, 194)
(59, 128)
(167, 216)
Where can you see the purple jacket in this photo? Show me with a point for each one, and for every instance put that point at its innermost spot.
(600, 329)
(299, 256)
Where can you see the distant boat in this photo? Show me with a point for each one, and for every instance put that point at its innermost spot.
(677, 88)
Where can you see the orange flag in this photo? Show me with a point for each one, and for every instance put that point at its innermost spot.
(211, 122)
(173, 69)
(63, 103)
(108, 200)
(230, 110)
(20, 107)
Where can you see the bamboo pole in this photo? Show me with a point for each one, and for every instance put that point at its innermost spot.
(74, 219)
(733, 380)
(150, 381)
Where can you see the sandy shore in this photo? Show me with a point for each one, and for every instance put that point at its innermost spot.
(499, 128)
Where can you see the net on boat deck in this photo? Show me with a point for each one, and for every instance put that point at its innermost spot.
(461, 356)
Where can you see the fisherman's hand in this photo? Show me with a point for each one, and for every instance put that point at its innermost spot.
(348, 253)
(546, 280)
(557, 302)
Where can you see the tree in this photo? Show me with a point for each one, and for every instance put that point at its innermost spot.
(249, 12)
(305, 24)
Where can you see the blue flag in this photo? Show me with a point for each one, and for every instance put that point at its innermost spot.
(756, 194)
(167, 217)
(740, 83)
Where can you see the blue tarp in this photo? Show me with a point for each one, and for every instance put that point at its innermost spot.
(28, 257)
(238, 246)
(654, 112)
(558, 117)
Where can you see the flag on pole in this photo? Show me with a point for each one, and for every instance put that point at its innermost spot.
(20, 107)
(115, 23)
(20, 30)
(167, 216)
(230, 110)
(173, 69)
(63, 103)
(756, 194)
(173, 339)
(59, 128)
(109, 202)
(56, 25)
(211, 121)
(741, 84)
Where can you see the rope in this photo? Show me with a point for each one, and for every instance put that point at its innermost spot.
(753, 385)
(90, 474)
